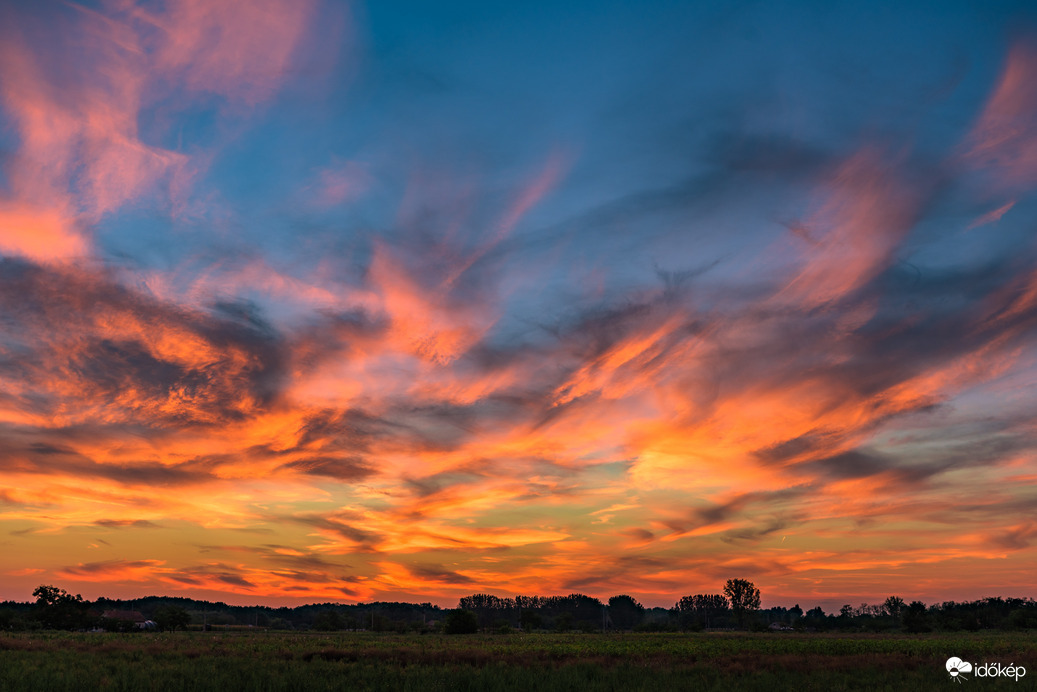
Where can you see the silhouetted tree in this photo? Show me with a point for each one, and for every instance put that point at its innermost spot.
(700, 610)
(744, 597)
(489, 610)
(893, 606)
(916, 618)
(683, 612)
(172, 617)
(59, 609)
(625, 612)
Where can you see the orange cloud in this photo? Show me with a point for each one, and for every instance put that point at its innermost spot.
(40, 234)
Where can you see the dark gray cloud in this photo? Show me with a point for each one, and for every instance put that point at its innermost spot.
(341, 524)
(749, 505)
(235, 580)
(48, 458)
(84, 330)
(111, 568)
(440, 574)
(348, 469)
(1017, 537)
(127, 523)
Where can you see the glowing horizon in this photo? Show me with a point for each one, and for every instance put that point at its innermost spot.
(306, 301)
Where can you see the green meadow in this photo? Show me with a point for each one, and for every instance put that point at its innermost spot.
(278, 661)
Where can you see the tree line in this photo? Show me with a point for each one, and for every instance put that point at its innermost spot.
(738, 606)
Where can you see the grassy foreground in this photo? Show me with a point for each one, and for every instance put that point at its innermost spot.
(367, 661)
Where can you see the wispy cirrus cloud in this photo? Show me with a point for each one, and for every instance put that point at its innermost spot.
(77, 109)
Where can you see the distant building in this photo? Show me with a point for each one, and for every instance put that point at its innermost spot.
(136, 617)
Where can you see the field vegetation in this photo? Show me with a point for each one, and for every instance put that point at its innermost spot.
(197, 661)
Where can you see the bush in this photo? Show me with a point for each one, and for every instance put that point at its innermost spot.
(564, 622)
(461, 622)
(530, 620)
(327, 621)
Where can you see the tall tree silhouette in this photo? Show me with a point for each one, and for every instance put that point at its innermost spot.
(744, 597)
(625, 612)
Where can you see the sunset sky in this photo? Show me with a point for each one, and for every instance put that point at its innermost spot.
(310, 301)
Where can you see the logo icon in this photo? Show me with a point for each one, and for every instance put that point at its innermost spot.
(956, 667)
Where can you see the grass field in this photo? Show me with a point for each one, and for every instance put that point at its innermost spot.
(369, 661)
